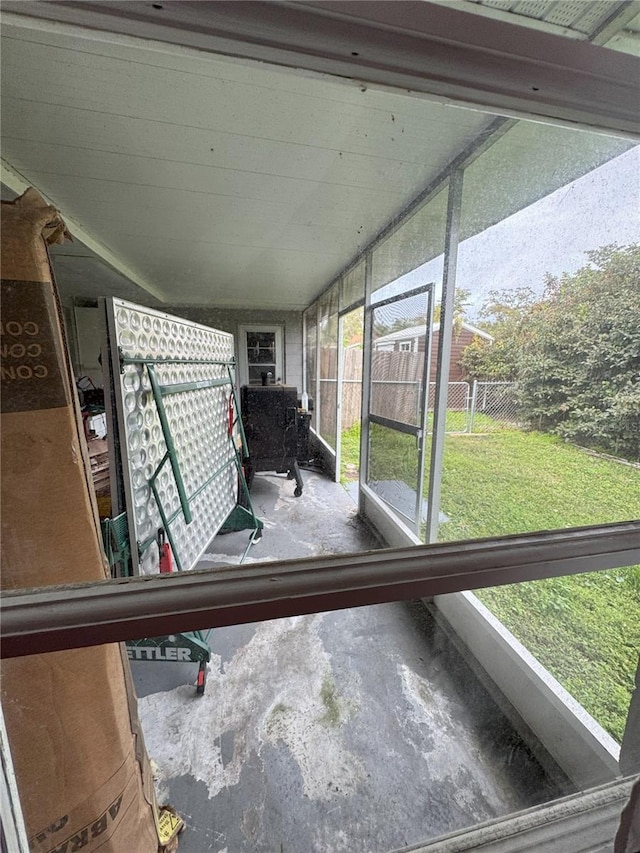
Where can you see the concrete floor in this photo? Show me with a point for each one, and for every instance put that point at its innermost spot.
(358, 730)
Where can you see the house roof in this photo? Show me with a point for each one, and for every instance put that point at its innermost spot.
(418, 332)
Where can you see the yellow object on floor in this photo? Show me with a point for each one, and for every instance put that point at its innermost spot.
(169, 825)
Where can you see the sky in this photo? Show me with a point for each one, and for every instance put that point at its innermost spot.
(550, 236)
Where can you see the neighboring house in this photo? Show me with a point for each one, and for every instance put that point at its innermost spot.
(413, 340)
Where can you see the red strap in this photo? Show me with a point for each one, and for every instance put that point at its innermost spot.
(166, 560)
(231, 415)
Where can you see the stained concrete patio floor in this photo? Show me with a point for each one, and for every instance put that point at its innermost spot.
(362, 730)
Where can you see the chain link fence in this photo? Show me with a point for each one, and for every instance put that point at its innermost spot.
(458, 406)
(493, 406)
(478, 407)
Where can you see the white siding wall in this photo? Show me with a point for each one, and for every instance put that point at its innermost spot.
(228, 320)
(83, 324)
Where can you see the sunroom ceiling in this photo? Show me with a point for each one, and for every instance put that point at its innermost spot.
(215, 181)
(209, 180)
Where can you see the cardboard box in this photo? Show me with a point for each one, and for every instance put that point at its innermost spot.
(83, 775)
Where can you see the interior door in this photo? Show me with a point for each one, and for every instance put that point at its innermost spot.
(400, 328)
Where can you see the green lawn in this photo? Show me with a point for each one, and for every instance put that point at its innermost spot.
(458, 421)
(585, 629)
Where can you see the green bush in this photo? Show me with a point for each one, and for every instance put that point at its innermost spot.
(575, 353)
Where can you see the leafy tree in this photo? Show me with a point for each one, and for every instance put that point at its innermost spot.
(401, 323)
(505, 315)
(461, 302)
(352, 328)
(580, 365)
(575, 352)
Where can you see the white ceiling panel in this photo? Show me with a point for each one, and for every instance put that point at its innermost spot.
(209, 174)
(214, 159)
(88, 277)
(217, 181)
(627, 39)
(224, 108)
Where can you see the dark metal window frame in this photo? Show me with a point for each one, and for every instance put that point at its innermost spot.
(53, 618)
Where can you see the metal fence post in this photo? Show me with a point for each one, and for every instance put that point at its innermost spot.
(474, 400)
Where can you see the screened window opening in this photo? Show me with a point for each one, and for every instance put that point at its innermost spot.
(441, 629)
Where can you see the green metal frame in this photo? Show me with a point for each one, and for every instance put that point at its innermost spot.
(193, 645)
(115, 538)
(241, 517)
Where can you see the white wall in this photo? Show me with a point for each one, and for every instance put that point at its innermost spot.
(228, 320)
(90, 331)
(86, 333)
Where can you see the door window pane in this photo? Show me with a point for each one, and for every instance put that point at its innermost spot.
(393, 469)
(398, 360)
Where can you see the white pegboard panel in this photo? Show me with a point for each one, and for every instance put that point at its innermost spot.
(496, 4)
(592, 15)
(581, 16)
(198, 421)
(532, 8)
(564, 14)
